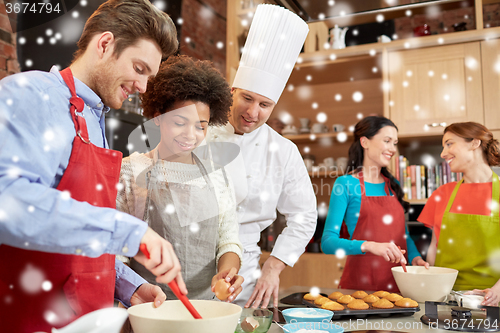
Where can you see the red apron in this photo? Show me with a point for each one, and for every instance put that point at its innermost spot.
(79, 284)
(368, 271)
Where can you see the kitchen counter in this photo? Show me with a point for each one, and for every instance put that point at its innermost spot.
(394, 323)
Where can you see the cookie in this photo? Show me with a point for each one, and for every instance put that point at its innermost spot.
(358, 304)
(345, 299)
(310, 297)
(393, 297)
(335, 295)
(333, 306)
(383, 303)
(321, 300)
(381, 293)
(359, 294)
(406, 303)
(371, 298)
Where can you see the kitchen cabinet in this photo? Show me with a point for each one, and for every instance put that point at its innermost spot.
(490, 55)
(312, 270)
(435, 86)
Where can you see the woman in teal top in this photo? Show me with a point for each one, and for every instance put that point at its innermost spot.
(370, 203)
(345, 203)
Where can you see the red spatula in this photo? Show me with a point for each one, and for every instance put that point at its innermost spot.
(175, 289)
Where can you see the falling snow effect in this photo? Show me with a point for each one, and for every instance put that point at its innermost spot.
(340, 253)
(314, 291)
(31, 279)
(387, 219)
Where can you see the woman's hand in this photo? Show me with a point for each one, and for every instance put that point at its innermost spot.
(230, 276)
(389, 251)
(491, 295)
(418, 261)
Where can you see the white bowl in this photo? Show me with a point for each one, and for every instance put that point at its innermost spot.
(173, 317)
(468, 300)
(421, 284)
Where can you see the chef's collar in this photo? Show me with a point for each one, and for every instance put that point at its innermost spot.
(230, 129)
(90, 98)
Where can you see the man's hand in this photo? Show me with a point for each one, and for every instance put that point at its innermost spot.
(268, 284)
(163, 262)
(418, 261)
(148, 293)
(230, 276)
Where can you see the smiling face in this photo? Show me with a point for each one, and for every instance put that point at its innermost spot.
(380, 148)
(457, 152)
(249, 111)
(182, 130)
(114, 79)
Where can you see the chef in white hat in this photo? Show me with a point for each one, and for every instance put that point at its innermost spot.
(269, 173)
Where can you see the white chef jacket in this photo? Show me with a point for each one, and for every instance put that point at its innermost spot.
(276, 179)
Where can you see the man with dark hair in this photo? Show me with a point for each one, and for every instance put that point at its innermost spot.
(59, 230)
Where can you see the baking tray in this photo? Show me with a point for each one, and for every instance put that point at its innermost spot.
(396, 310)
(296, 298)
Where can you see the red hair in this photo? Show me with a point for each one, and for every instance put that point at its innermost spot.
(470, 131)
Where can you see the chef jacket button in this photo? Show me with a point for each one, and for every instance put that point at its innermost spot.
(216, 136)
(249, 176)
(257, 144)
(238, 208)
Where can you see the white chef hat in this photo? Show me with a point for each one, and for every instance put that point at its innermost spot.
(273, 44)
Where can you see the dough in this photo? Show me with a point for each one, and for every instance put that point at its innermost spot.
(406, 303)
(358, 304)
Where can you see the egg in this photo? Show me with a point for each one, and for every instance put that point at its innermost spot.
(221, 289)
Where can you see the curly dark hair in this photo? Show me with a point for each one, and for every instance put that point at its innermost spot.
(181, 78)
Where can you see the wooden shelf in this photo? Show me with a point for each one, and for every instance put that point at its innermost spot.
(319, 58)
(325, 174)
(417, 201)
(305, 138)
(393, 12)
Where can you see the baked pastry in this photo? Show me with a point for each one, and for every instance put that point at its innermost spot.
(393, 297)
(345, 299)
(335, 295)
(371, 298)
(321, 300)
(332, 306)
(310, 297)
(358, 304)
(406, 303)
(381, 293)
(383, 303)
(359, 294)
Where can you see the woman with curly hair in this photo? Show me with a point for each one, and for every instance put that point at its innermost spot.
(180, 195)
(464, 215)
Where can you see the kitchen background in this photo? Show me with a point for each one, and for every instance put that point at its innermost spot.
(348, 70)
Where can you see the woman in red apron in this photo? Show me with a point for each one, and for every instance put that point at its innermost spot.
(466, 228)
(367, 205)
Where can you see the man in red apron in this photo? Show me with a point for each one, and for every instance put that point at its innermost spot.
(58, 230)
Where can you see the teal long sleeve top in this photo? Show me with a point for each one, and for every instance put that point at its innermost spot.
(345, 203)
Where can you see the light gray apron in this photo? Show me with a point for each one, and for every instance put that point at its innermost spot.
(191, 227)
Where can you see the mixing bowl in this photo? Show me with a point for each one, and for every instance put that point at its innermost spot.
(173, 317)
(422, 284)
(263, 316)
(294, 315)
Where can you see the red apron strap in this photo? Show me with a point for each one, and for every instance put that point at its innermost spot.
(77, 105)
